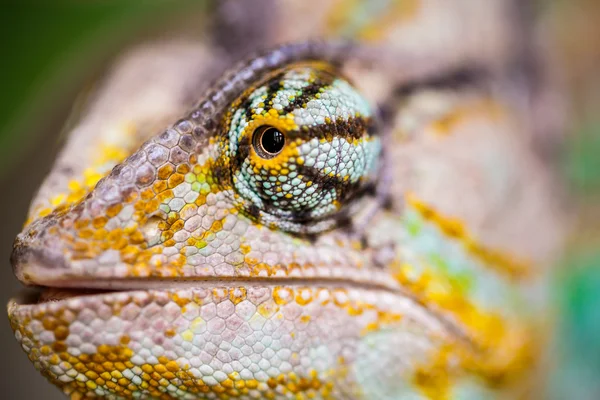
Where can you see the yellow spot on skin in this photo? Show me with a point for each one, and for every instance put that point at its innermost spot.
(483, 109)
(57, 200)
(282, 295)
(91, 385)
(170, 332)
(453, 228)
(188, 335)
(175, 179)
(237, 295)
(45, 211)
(260, 269)
(165, 171)
(245, 248)
(433, 379)
(113, 211)
(109, 155)
(342, 17)
(196, 324)
(500, 349)
(304, 296)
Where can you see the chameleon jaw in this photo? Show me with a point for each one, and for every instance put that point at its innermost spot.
(321, 335)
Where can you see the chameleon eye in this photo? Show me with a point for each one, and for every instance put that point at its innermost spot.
(268, 141)
(301, 148)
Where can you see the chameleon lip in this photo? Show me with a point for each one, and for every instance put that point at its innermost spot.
(35, 297)
(39, 295)
(35, 268)
(39, 271)
(125, 284)
(80, 287)
(74, 288)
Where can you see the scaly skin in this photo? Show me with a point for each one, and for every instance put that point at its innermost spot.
(395, 246)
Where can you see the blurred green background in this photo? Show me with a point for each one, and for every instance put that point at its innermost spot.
(574, 28)
(51, 49)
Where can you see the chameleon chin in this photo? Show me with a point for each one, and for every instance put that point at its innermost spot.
(360, 216)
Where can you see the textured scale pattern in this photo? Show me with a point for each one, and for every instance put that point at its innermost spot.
(330, 221)
(226, 342)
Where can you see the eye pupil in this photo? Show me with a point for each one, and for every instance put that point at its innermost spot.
(272, 140)
(268, 141)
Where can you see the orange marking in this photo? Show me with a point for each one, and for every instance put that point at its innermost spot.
(453, 228)
(482, 109)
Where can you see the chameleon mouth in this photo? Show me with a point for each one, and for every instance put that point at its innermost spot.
(86, 291)
(38, 295)
(60, 291)
(56, 290)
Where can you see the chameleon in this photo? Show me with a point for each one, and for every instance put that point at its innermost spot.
(332, 200)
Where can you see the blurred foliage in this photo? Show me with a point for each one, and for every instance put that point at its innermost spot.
(48, 47)
(583, 162)
(575, 26)
(578, 348)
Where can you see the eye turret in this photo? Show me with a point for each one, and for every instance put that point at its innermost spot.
(301, 146)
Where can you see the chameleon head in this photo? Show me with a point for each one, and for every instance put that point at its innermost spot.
(220, 236)
(295, 154)
(246, 253)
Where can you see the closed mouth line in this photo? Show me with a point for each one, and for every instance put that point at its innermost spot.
(64, 289)
(154, 283)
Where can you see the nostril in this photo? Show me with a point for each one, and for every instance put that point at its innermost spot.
(151, 230)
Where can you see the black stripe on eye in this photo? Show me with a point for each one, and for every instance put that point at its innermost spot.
(309, 92)
(249, 110)
(242, 153)
(344, 189)
(345, 193)
(253, 211)
(222, 174)
(352, 128)
(273, 86)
